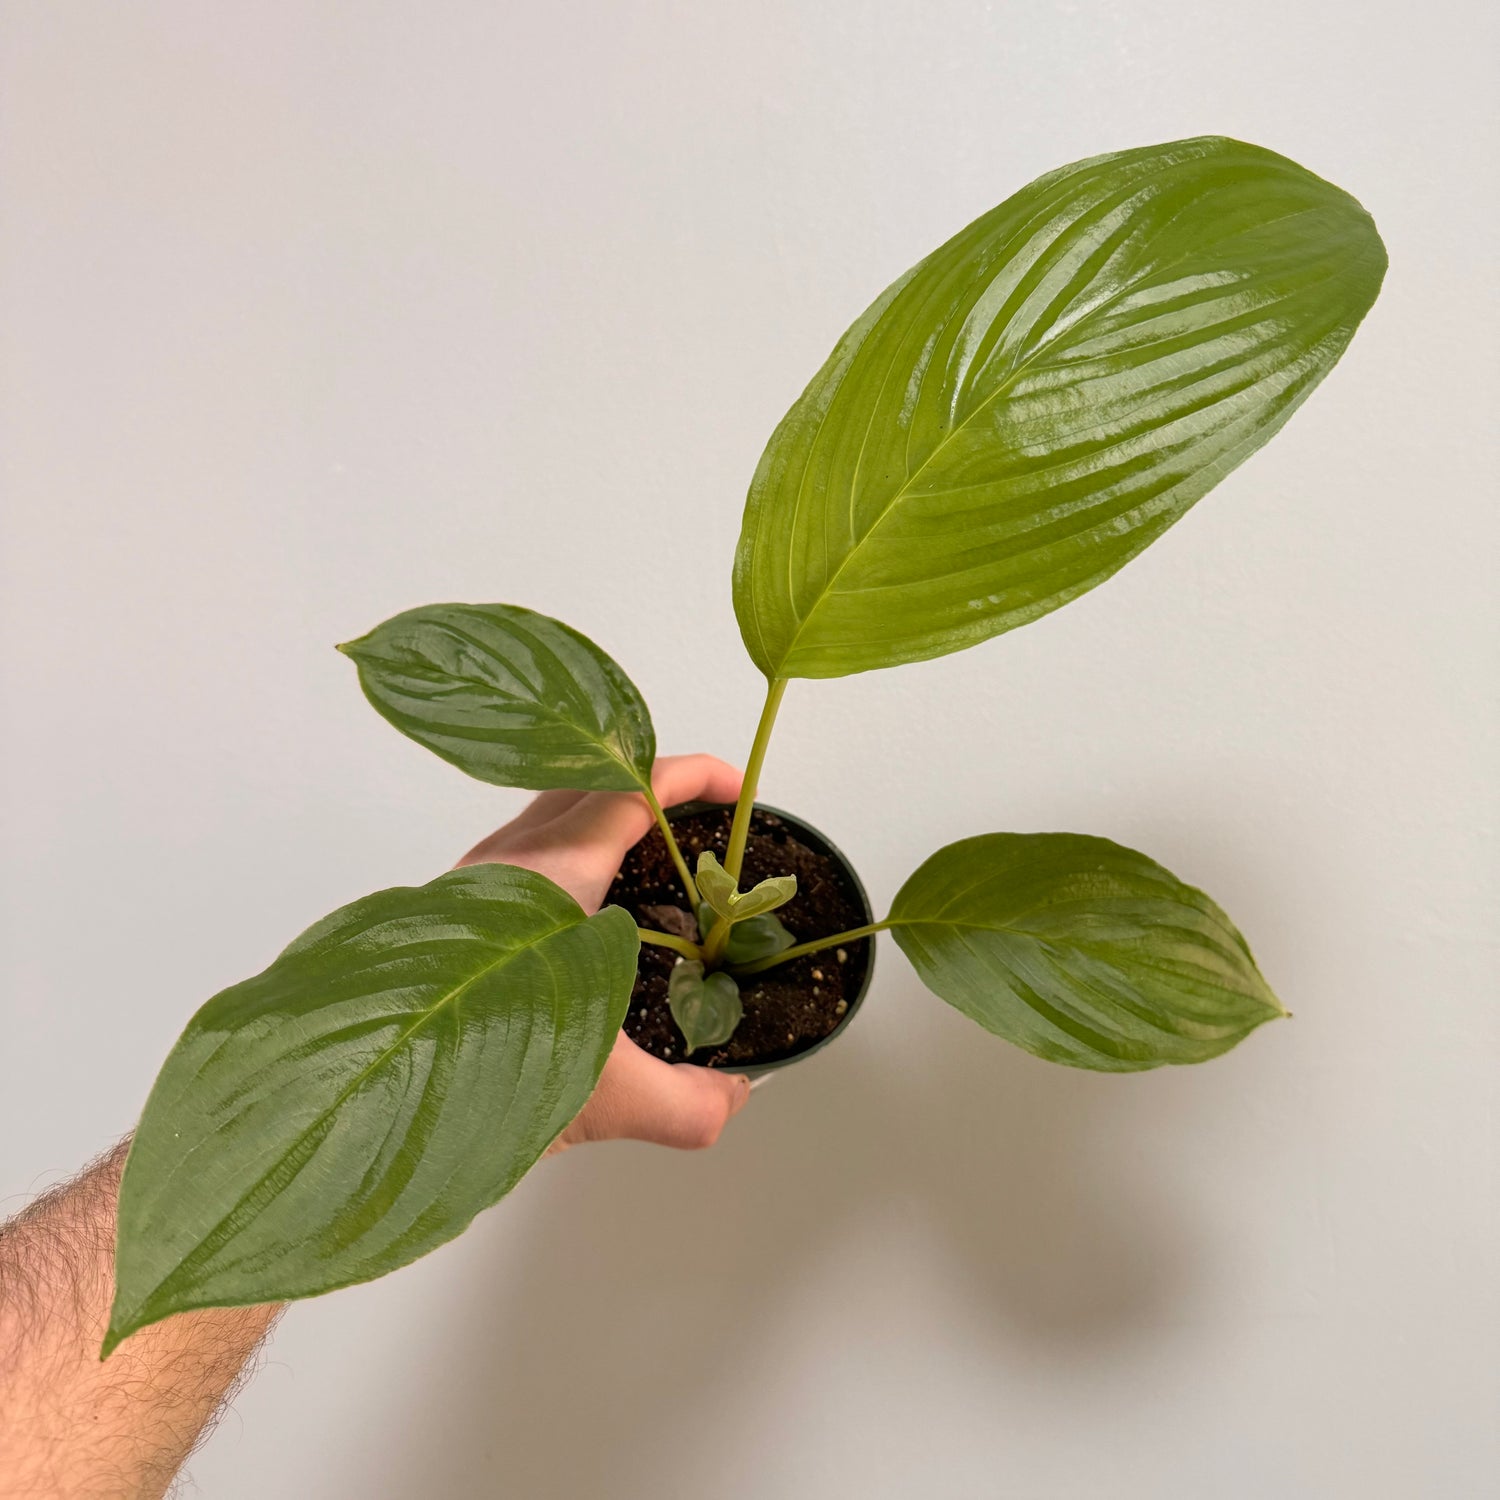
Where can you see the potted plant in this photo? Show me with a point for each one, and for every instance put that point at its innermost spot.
(1005, 427)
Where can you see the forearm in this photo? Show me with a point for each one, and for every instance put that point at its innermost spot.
(71, 1425)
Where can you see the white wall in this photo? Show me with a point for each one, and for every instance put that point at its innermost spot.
(315, 312)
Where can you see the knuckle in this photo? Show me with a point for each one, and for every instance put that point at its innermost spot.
(704, 1130)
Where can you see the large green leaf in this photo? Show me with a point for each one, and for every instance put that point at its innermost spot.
(1080, 951)
(508, 695)
(1039, 399)
(395, 1071)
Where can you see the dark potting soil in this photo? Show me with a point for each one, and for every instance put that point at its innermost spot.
(787, 1009)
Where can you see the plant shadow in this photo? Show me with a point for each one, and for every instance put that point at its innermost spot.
(651, 1281)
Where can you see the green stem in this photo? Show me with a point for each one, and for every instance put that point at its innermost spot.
(740, 829)
(667, 940)
(816, 946)
(715, 943)
(683, 872)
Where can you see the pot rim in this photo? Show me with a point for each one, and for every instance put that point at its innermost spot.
(821, 843)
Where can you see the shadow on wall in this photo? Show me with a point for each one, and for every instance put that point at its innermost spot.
(618, 1336)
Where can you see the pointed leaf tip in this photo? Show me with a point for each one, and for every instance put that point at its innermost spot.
(113, 1338)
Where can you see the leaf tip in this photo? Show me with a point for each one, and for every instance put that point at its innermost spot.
(125, 1320)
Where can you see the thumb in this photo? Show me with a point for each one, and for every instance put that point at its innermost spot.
(641, 1098)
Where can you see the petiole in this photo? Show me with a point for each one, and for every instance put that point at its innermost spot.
(739, 831)
(816, 946)
(684, 874)
(669, 940)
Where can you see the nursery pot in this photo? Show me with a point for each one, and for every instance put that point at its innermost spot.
(792, 1010)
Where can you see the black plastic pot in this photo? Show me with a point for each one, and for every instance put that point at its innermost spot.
(820, 844)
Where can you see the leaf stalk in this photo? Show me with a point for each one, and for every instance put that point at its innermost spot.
(669, 940)
(715, 943)
(683, 873)
(739, 830)
(817, 945)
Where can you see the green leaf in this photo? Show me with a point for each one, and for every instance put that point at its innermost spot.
(770, 893)
(756, 938)
(706, 1007)
(715, 884)
(395, 1070)
(508, 695)
(720, 892)
(1080, 951)
(1038, 400)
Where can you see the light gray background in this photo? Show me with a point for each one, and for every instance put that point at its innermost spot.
(313, 313)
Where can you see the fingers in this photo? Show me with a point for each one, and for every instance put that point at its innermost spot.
(618, 819)
(579, 839)
(543, 808)
(538, 811)
(694, 778)
(641, 1098)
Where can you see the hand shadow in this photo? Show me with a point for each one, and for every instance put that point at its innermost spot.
(630, 1316)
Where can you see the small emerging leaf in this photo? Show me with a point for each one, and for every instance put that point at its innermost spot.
(509, 696)
(715, 884)
(1080, 951)
(755, 938)
(393, 1072)
(765, 897)
(720, 892)
(706, 1007)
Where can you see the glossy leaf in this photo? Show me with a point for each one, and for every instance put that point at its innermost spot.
(721, 893)
(508, 695)
(1080, 951)
(757, 938)
(395, 1070)
(706, 1007)
(1038, 400)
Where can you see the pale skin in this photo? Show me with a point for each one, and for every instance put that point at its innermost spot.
(72, 1426)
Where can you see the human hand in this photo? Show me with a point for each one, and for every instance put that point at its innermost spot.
(579, 839)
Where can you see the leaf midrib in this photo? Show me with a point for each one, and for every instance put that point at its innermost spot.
(1076, 1027)
(534, 705)
(1043, 347)
(206, 1246)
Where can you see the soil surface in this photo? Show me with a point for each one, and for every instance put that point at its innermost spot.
(787, 1009)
